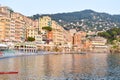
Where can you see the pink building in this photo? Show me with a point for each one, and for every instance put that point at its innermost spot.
(78, 40)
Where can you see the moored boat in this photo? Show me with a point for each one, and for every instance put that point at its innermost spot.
(13, 72)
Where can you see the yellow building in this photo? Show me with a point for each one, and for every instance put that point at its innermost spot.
(44, 21)
(31, 31)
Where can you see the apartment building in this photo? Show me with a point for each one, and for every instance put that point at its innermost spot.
(44, 21)
(57, 36)
(78, 37)
(4, 23)
(99, 44)
(58, 33)
(78, 40)
(32, 31)
(19, 26)
(13, 25)
(98, 41)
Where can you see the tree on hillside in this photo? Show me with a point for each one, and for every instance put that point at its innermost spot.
(104, 34)
(111, 34)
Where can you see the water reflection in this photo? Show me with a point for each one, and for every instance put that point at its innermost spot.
(27, 67)
(113, 66)
(8, 65)
(62, 67)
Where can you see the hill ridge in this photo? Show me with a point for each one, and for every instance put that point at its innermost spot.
(85, 20)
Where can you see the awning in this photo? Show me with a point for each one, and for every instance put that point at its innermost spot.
(3, 45)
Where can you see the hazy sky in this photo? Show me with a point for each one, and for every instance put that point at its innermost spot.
(30, 7)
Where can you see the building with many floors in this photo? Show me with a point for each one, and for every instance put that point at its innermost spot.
(58, 33)
(98, 44)
(44, 21)
(78, 40)
(14, 25)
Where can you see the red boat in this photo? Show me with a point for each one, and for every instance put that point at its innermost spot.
(8, 72)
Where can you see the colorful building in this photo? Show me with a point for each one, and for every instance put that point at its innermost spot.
(78, 40)
(44, 21)
(58, 33)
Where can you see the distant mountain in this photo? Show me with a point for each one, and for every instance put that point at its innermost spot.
(85, 20)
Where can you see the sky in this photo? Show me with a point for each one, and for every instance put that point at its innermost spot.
(31, 7)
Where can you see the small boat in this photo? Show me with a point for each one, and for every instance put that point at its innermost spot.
(8, 72)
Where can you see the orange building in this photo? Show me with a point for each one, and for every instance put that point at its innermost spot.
(50, 35)
(78, 40)
(87, 45)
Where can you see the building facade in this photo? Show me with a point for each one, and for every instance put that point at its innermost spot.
(14, 25)
(78, 40)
